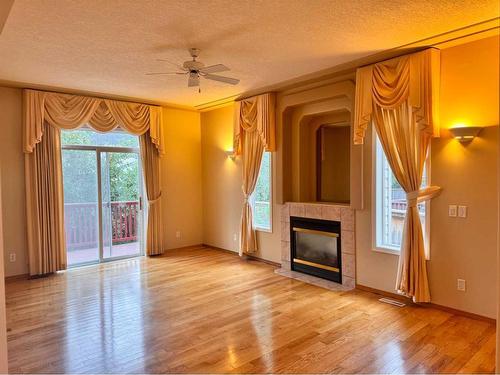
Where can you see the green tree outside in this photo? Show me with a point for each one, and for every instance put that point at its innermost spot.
(79, 167)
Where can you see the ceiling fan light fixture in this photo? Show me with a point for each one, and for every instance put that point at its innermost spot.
(197, 69)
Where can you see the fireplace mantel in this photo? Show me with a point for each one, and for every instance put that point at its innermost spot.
(342, 213)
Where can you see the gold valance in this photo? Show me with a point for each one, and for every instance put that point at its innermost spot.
(67, 111)
(388, 84)
(258, 114)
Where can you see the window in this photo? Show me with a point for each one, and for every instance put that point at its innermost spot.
(260, 200)
(390, 205)
(87, 137)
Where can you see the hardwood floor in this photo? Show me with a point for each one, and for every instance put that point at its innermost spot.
(206, 311)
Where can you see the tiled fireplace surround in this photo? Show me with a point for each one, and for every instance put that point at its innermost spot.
(341, 213)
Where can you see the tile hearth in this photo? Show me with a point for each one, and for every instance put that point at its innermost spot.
(323, 211)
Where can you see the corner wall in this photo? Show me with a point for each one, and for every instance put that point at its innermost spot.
(222, 194)
(12, 180)
(497, 362)
(4, 368)
(181, 179)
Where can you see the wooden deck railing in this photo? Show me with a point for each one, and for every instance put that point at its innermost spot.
(81, 222)
(124, 218)
(398, 206)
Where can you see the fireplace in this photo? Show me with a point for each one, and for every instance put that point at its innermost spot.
(316, 247)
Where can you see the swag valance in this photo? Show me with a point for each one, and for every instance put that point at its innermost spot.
(386, 85)
(255, 114)
(67, 111)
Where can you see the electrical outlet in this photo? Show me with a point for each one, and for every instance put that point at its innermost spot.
(12, 257)
(452, 210)
(462, 211)
(178, 234)
(461, 285)
(235, 237)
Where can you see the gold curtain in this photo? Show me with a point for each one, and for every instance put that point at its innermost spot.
(44, 205)
(150, 158)
(259, 113)
(45, 113)
(401, 96)
(253, 150)
(388, 84)
(254, 133)
(67, 112)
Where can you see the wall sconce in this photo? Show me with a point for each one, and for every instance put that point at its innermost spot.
(230, 154)
(465, 134)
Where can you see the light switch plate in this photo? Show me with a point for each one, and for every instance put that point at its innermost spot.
(452, 210)
(461, 285)
(462, 211)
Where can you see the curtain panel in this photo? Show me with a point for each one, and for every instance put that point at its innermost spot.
(45, 114)
(150, 158)
(45, 205)
(254, 133)
(400, 96)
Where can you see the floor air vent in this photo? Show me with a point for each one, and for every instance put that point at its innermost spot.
(392, 302)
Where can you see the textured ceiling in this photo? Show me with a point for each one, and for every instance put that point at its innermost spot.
(107, 46)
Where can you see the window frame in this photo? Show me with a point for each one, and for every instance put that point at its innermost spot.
(271, 191)
(374, 198)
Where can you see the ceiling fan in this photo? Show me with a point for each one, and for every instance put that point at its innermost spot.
(196, 69)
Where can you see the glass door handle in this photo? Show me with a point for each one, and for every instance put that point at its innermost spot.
(140, 203)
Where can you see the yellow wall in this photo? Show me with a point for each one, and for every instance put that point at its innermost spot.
(12, 160)
(222, 195)
(3, 320)
(460, 248)
(466, 248)
(181, 179)
(497, 362)
(181, 182)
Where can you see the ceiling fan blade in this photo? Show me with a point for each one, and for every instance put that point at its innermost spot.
(214, 77)
(160, 73)
(172, 63)
(194, 80)
(214, 69)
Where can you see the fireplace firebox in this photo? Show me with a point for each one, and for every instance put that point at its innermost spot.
(316, 247)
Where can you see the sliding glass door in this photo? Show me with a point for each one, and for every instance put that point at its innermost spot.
(102, 201)
(121, 204)
(81, 208)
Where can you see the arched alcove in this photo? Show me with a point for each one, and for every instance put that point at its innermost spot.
(300, 115)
